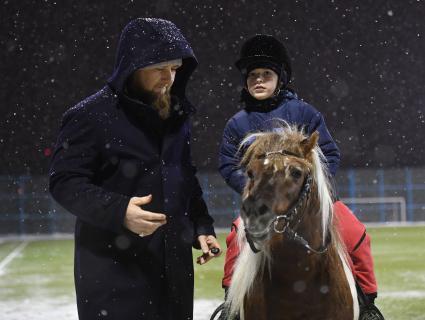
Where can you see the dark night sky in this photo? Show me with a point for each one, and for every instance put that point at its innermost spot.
(361, 63)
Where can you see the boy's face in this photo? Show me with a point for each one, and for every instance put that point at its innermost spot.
(156, 80)
(261, 83)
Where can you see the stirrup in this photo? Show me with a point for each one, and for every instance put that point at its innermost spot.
(370, 312)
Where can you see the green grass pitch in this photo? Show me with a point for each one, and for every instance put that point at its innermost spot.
(45, 269)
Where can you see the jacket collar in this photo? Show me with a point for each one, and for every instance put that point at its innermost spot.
(266, 105)
(181, 109)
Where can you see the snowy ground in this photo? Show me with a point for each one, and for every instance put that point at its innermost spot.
(63, 309)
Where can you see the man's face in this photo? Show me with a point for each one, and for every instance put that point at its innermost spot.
(261, 83)
(156, 79)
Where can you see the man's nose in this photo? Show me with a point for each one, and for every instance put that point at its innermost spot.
(167, 74)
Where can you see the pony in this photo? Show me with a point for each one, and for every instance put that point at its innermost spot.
(293, 264)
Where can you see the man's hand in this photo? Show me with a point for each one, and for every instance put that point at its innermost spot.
(141, 221)
(209, 246)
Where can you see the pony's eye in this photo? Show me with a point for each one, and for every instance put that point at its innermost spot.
(250, 174)
(296, 173)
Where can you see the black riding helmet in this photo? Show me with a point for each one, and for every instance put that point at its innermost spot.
(265, 51)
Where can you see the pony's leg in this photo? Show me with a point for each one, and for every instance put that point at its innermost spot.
(255, 307)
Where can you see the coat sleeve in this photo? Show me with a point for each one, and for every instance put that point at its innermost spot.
(72, 171)
(229, 159)
(198, 211)
(327, 144)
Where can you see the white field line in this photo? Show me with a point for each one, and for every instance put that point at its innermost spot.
(36, 237)
(402, 294)
(11, 256)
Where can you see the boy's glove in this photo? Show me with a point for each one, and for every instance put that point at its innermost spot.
(368, 310)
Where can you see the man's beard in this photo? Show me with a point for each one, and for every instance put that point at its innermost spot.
(162, 104)
(160, 101)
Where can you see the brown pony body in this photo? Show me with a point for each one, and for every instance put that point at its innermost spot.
(300, 271)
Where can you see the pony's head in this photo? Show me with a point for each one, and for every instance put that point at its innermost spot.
(286, 183)
(281, 167)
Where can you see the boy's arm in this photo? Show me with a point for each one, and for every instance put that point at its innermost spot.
(326, 142)
(229, 158)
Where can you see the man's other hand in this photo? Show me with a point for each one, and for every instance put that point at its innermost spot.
(209, 245)
(140, 221)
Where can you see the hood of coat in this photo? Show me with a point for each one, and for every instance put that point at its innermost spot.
(148, 41)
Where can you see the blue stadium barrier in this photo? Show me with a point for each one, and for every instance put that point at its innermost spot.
(27, 208)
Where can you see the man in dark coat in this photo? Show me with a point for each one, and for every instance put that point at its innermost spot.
(122, 165)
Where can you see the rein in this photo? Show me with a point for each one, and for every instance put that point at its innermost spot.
(288, 217)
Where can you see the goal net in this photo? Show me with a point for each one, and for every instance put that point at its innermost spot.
(381, 209)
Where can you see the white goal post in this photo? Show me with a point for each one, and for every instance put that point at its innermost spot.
(397, 201)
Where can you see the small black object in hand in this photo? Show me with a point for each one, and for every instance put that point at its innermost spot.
(215, 250)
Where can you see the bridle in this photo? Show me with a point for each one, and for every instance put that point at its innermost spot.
(288, 216)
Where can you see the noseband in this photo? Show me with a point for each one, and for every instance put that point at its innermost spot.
(288, 216)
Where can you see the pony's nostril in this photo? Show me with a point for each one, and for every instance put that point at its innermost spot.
(249, 205)
(263, 209)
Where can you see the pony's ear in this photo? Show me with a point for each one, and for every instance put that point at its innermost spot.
(309, 143)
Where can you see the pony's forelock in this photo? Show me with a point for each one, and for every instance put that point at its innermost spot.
(280, 126)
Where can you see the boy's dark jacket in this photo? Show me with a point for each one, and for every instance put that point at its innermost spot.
(285, 107)
(111, 148)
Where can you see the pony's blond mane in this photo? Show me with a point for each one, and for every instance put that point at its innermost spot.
(249, 264)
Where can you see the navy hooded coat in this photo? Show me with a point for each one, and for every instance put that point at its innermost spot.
(111, 148)
(249, 120)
